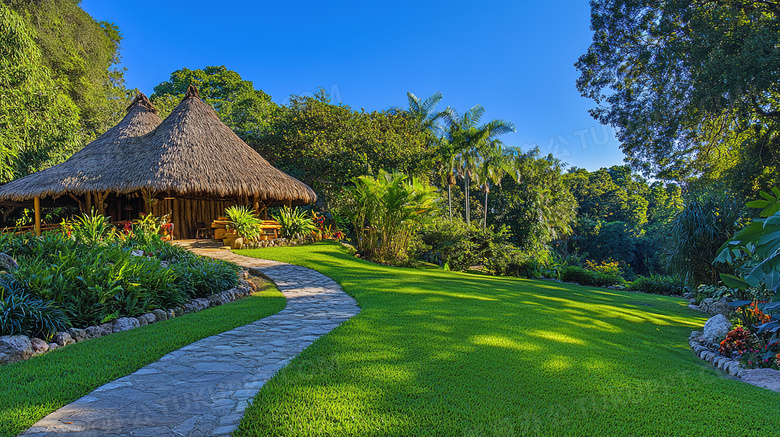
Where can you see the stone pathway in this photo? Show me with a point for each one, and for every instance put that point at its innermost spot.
(204, 388)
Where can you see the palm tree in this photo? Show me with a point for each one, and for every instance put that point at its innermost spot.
(447, 163)
(466, 136)
(425, 111)
(495, 163)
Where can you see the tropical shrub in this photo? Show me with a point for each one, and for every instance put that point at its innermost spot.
(696, 233)
(91, 284)
(511, 261)
(22, 314)
(90, 228)
(755, 250)
(588, 277)
(449, 243)
(386, 213)
(736, 343)
(756, 344)
(200, 276)
(295, 223)
(611, 268)
(658, 284)
(461, 246)
(325, 230)
(244, 221)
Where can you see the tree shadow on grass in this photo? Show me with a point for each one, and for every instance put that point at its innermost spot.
(440, 353)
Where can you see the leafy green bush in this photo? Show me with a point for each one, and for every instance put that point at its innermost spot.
(588, 277)
(461, 246)
(89, 228)
(755, 249)
(658, 284)
(386, 212)
(93, 284)
(96, 284)
(200, 277)
(21, 313)
(295, 223)
(507, 260)
(244, 221)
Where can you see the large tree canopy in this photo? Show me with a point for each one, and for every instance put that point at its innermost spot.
(325, 145)
(690, 85)
(80, 53)
(537, 206)
(39, 124)
(621, 216)
(240, 106)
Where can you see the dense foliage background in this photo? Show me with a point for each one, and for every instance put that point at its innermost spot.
(691, 88)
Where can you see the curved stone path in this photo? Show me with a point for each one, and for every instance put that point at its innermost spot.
(204, 388)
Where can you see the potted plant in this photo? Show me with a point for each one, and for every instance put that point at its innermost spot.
(244, 224)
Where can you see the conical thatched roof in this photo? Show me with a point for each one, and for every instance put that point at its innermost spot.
(190, 153)
(92, 168)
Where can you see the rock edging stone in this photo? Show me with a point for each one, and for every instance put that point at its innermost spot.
(706, 347)
(14, 348)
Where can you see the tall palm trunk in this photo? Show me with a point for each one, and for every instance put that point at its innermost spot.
(484, 222)
(449, 199)
(468, 203)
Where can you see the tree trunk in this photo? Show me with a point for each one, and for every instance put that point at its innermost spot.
(468, 203)
(449, 199)
(484, 222)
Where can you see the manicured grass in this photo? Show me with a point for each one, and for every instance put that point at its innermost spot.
(441, 353)
(36, 387)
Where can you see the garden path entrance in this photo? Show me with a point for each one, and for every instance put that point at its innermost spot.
(203, 389)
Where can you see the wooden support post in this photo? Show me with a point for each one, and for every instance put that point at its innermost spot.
(88, 201)
(256, 204)
(100, 199)
(37, 205)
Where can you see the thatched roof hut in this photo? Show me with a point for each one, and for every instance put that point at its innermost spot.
(193, 153)
(190, 156)
(93, 168)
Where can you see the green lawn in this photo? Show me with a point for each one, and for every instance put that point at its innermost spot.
(36, 387)
(453, 354)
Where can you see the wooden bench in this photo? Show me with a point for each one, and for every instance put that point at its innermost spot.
(270, 229)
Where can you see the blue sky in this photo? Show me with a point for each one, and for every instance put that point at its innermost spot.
(514, 58)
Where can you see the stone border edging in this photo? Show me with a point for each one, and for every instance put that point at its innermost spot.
(760, 377)
(703, 351)
(14, 348)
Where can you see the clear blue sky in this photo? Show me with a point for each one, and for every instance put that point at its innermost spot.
(515, 58)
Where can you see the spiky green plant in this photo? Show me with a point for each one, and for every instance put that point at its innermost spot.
(386, 211)
(696, 234)
(244, 221)
(21, 313)
(90, 228)
(295, 223)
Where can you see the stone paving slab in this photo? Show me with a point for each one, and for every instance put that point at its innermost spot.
(203, 389)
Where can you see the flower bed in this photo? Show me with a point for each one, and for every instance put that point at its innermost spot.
(748, 351)
(92, 276)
